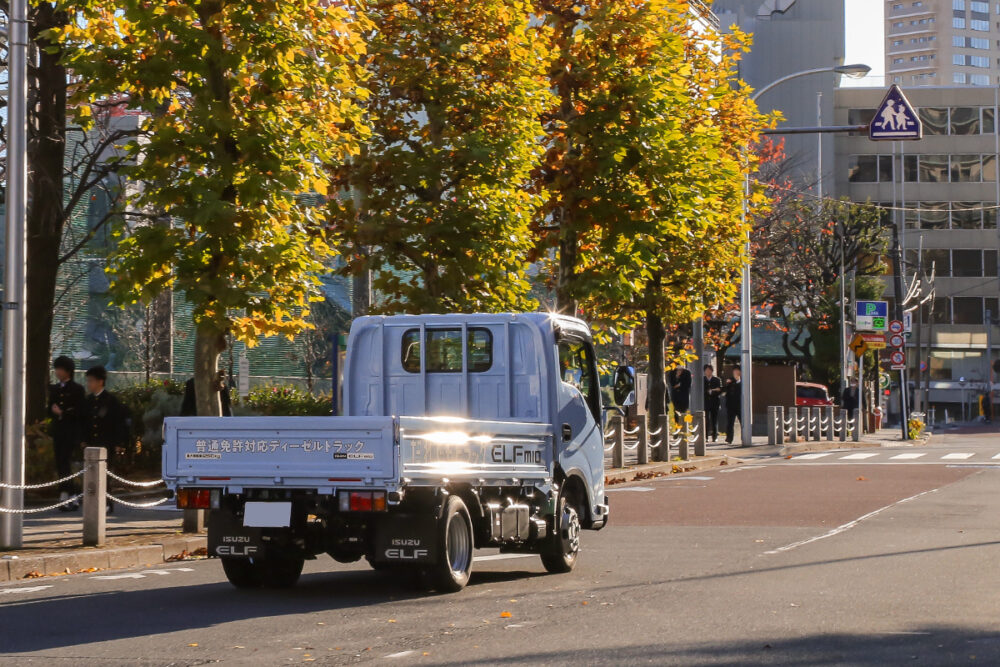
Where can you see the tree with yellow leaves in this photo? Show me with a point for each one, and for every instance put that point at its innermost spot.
(243, 103)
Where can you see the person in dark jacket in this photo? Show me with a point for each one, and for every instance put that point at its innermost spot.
(189, 405)
(679, 381)
(849, 399)
(106, 423)
(66, 406)
(713, 399)
(734, 403)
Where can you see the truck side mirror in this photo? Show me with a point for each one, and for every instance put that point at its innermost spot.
(624, 385)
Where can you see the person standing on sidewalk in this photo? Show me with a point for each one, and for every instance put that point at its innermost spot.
(679, 380)
(106, 423)
(66, 405)
(713, 398)
(734, 404)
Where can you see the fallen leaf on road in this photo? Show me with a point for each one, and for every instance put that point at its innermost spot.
(862, 479)
(505, 614)
(584, 602)
(512, 600)
(789, 456)
(195, 644)
(392, 620)
(34, 574)
(426, 653)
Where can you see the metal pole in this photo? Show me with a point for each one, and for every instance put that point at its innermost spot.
(988, 401)
(819, 148)
(698, 373)
(746, 327)
(95, 471)
(12, 444)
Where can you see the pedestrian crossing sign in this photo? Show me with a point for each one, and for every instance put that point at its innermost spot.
(895, 119)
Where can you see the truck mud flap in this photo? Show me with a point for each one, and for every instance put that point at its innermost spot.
(229, 538)
(406, 538)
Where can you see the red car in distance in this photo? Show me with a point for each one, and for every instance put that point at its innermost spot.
(809, 394)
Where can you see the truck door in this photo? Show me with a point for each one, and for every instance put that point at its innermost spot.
(579, 432)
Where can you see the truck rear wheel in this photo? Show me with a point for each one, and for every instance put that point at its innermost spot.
(451, 573)
(274, 572)
(562, 546)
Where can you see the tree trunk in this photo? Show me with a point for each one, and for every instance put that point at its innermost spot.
(209, 343)
(656, 333)
(568, 255)
(45, 218)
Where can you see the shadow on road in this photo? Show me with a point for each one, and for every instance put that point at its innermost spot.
(71, 620)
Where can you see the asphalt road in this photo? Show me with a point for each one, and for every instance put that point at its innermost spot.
(819, 560)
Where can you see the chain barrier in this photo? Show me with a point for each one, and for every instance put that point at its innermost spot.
(137, 505)
(632, 448)
(653, 434)
(27, 487)
(632, 432)
(129, 482)
(36, 510)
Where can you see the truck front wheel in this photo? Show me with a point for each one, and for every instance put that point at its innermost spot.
(561, 547)
(451, 573)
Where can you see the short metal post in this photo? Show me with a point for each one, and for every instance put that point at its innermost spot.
(857, 425)
(828, 415)
(817, 414)
(842, 416)
(663, 452)
(684, 449)
(618, 453)
(193, 521)
(772, 424)
(642, 451)
(780, 439)
(794, 415)
(699, 425)
(95, 487)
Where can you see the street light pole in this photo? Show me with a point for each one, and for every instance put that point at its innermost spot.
(12, 443)
(746, 319)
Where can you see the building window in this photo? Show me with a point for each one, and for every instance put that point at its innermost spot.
(897, 24)
(940, 259)
(981, 7)
(990, 269)
(966, 169)
(956, 41)
(967, 310)
(979, 61)
(897, 61)
(979, 79)
(965, 120)
(933, 215)
(989, 127)
(967, 263)
(981, 26)
(958, 77)
(897, 42)
(933, 168)
(966, 215)
(956, 59)
(957, 22)
(910, 168)
(958, 4)
(979, 43)
(862, 169)
(935, 120)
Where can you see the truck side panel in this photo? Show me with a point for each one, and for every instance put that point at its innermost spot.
(278, 451)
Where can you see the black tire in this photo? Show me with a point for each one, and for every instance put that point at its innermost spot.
(456, 543)
(282, 571)
(243, 572)
(562, 546)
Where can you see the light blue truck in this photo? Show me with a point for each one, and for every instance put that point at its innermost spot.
(460, 432)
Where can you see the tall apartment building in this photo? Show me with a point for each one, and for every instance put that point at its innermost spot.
(943, 194)
(790, 36)
(942, 42)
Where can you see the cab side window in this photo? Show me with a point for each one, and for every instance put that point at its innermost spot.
(576, 368)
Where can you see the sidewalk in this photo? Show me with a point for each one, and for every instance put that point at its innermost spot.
(52, 543)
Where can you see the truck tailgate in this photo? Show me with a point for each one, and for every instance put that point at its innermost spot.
(279, 452)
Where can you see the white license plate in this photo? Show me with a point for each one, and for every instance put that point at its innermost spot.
(267, 515)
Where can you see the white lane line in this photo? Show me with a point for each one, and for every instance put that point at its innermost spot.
(22, 589)
(996, 457)
(503, 557)
(813, 456)
(857, 457)
(958, 456)
(401, 654)
(845, 527)
(909, 456)
(637, 489)
(111, 577)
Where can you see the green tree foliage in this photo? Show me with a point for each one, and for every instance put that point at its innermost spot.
(440, 209)
(243, 102)
(644, 175)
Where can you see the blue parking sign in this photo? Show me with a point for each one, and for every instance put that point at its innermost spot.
(871, 315)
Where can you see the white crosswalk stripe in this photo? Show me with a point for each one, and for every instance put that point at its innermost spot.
(885, 457)
(858, 457)
(996, 457)
(818, 455)
(958, 456)
(909, 456)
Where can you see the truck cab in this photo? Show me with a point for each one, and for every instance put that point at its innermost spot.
(460, 432)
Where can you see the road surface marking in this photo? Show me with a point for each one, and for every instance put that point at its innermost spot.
(997, 456)
(813, 456)
(503, 557)
(910, 455)
(22, 589)
(845, 527)
(130, 575)
(401, 654)
(639, 489)
(857, 457)
(681, 478)
(958, 456)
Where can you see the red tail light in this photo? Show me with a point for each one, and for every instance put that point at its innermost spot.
(362, 501)
(194, 499)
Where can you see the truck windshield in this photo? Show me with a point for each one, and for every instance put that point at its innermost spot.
(444, 350)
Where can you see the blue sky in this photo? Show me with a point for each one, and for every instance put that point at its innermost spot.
(865, 40)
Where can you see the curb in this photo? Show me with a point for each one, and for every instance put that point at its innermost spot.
(97, 558)
(662, 468)
(823, 445)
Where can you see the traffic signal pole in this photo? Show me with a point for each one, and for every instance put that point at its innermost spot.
(897, 311)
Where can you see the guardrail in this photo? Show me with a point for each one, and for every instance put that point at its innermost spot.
(655, 443)
(804, 424)
(94, 497)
